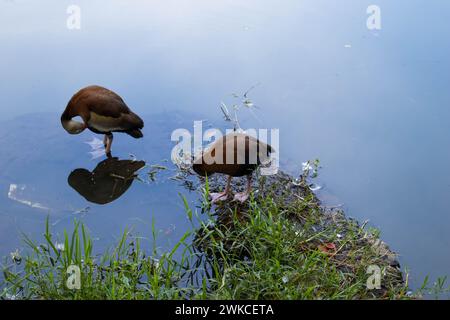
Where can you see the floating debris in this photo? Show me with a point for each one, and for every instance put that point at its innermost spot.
(170, 229)
(225, 112)
(59, 246)
(248, 103)
(13, 192)
(306, 166)
(183, 161)
(314, 187)
(16, 257)
(97, 148)
(152, 175)
(82, 211)
(158, 167)
(95, 143)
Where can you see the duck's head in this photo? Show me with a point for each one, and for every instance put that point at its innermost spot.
(71, 126)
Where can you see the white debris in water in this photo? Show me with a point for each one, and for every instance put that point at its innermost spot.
(97, 148)
(15, 256)
(314, 187)
(82, 211)
(248, 103)
(348, 46)
(182, 160)
(306, 166)
(59, 246)
(170, 229)
(13, 192)
(97, 154)
(95, 143)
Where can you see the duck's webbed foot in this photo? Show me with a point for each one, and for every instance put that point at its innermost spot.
(241, 197)
(217, 197)
(221, 196)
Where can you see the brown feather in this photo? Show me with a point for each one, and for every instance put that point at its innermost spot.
(245, 154)
(103, 111)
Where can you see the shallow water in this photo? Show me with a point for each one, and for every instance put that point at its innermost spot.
(48, 173)
(372, 106)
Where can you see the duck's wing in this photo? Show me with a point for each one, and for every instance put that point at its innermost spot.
(107, 104)
(248, 148)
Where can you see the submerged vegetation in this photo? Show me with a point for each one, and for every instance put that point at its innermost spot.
(279, 245)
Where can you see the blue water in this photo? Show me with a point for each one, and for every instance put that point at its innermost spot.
(371, 105)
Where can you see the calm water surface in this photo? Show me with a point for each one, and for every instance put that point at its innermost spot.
(372, 106)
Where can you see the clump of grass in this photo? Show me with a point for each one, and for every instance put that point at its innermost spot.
(262, 253)
(280, 245)
(125, 272)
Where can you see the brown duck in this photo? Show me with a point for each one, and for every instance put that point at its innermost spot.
(235, 155)
(102, 111)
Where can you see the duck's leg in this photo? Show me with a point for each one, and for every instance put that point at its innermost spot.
(221, 196)
(109, 140)
(243, 196)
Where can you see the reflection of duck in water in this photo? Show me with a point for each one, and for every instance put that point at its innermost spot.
(107, 182)
(102, 111)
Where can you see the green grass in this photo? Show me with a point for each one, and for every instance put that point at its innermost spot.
(266, 249)
(271, 252)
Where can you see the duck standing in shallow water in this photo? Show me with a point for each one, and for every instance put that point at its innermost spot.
(102, 111)
(235, 155)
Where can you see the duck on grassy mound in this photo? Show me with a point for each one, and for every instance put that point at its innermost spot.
(236, 154)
